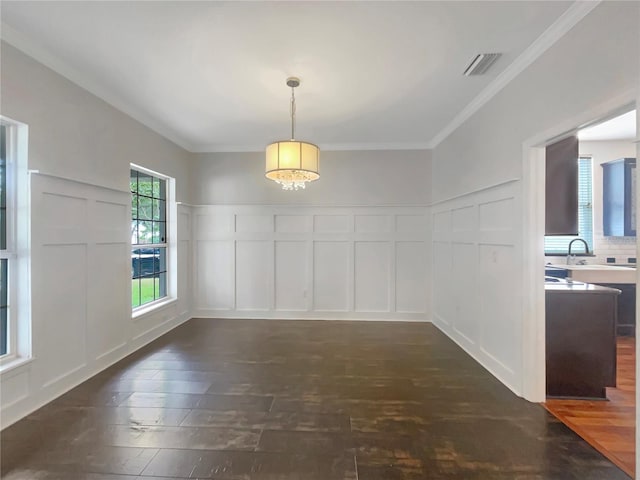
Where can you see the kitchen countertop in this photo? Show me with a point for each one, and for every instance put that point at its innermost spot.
(570, 286)
(600, 273)
(592, 267)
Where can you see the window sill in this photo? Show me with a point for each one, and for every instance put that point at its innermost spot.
(152, 308)
(10, 364)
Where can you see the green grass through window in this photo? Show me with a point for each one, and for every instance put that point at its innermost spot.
(143, 290)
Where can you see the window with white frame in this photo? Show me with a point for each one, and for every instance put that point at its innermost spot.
(9, 327)
(149, 241)
(15, 288)
(6, 254)
(559, 244)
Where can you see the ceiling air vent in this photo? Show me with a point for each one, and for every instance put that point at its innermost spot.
(481, 63)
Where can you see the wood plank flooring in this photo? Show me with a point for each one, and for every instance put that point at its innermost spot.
(297, 400)
(608, 425)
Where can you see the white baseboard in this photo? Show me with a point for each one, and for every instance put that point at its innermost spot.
(332, 316)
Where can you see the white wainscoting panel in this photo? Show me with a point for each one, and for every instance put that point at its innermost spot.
(254, 275)
(15, 388)
(185, 261)
(498, 304)
(65, 266)
(107, 217)
(443, 297)
(476, 294)
(411, 271)
(493, 214)
(411, 224)
(291, 275)
(441, 223)
(312, 262)
(109, 264)
(373, 223)
(332, 266)
(294, 223)
(71, 228)
(464, 275)
(215, 266)
(212, 225)
(185, 283)
(372, 280)
(463, 219)
(254, 223)
(81, 319)
(332, 223)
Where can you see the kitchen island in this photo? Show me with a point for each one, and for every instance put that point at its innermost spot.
(620, 277)
(580, 339)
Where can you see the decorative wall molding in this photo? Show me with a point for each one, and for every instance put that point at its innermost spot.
(311, 262)
(75, 180)
(475, 192)
(80, 249)
(476, 300)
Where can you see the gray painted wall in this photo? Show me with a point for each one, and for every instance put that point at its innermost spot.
(76, 135)
(346, 178)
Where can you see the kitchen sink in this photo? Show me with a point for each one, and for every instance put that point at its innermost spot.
(548, 279)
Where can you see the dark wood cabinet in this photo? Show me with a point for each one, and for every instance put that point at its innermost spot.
(580, 341)
(618, 197)
(626, 308)
(561, 187)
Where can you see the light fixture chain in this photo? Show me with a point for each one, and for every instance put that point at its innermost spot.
(292, 110)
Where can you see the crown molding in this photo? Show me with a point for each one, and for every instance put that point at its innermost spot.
(30, 48)
(325, 147)
(574, 14)
(376, 146)
(34, 50)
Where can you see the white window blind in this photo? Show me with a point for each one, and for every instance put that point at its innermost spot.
(560, 244)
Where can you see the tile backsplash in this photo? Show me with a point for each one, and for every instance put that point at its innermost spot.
(621, 248)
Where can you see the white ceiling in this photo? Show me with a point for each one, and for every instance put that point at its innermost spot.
(211, 75)
(622, 127)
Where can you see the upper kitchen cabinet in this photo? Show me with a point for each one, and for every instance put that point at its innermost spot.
(561, 216)
(619, 197)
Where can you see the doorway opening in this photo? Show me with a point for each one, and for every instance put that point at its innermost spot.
(582, 316)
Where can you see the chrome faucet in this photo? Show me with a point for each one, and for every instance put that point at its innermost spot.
(569, 256)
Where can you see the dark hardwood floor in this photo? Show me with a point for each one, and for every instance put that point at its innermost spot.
(610, 426)
(297, 400)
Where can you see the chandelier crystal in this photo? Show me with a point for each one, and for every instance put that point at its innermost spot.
(292, 163)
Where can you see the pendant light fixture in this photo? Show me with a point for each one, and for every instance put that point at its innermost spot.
(292, 163)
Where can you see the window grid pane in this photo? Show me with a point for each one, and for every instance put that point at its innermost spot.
(3, 187)
(560, 244)
(4, 307)
(148, 227)
(4, 263)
